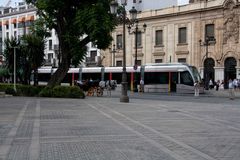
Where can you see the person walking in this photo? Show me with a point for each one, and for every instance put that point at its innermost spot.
(141, 85)
(196, 89)
(231, 89)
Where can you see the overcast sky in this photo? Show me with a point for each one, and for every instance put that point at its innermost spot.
(13, 2)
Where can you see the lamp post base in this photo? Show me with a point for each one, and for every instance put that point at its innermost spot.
(124, 98)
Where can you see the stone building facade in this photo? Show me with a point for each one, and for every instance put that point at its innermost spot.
(203, 33)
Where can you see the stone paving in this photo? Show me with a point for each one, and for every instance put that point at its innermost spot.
(105, 129)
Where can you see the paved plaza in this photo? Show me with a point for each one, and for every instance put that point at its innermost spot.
(150, 127)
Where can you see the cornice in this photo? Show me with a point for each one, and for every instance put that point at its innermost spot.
(18, 12)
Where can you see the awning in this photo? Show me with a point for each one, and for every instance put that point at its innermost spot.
(14, 20)
(6, 22)
(30, 18)
(21, 19)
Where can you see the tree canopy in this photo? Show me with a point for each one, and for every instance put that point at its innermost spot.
(76, 23)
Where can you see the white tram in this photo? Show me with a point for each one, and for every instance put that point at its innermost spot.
(158, 77)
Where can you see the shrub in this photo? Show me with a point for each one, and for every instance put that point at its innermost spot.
(27, 90)
(43, 91)
(76, 92)
(46, 92)
(10, 90)
(61, 91)
(4, 86)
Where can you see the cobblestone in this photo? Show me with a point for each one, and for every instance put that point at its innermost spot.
(105, 129)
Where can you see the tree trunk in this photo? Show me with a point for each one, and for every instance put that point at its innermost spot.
(62, 70)
(35, 77)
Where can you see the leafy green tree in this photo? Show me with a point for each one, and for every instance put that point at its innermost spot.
(33, 48)
(76, 23)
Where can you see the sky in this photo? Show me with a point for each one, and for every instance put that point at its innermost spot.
(14, 2)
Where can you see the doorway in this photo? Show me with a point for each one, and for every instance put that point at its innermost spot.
(229, 70)
(208, 71)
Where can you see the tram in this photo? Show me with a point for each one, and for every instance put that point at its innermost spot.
(158, 77)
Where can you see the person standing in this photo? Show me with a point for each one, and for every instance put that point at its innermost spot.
(196, 89)
(231, 89)
(141, 85)
(210, 84)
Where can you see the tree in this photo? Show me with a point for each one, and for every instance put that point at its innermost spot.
(33, 46)
(29, 54)
(12, 44)
(76, 23)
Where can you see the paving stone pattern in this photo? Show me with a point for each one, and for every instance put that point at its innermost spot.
(105, 129)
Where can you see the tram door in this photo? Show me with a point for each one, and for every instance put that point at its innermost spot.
(208, 71)
(229, 70)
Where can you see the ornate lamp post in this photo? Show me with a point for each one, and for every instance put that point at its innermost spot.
(206, 43)
(122, 15)
(136, 31)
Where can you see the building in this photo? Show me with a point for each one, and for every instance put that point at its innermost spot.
(203, 33)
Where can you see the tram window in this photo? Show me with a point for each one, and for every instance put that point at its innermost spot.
(174, 77)
(186, 78)
(156, 77)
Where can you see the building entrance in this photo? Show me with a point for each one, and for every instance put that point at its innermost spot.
(208, 71)
(229, 70)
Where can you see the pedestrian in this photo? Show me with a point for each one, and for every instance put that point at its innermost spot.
(196, 89)
(231, 89)
(217, 85)
(211, 85)
(141, 88)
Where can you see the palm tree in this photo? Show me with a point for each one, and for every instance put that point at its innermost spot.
(11, 44)
(33, 46)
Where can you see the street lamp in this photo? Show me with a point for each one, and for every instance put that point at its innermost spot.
(136, 31)
(208, 41)
(14, 68)
(122, 15)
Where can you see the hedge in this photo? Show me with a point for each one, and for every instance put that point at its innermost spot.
(43, 91)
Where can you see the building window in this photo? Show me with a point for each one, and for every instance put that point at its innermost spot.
(7, 26)
(7, 35)
(119, 41)
(119, 63)
(50, 56)
(14, 25)
(93, 45)
(182, 60)
(182, 35)
(209, 31)
(50, 44)
(159, 38)
(158, 61)
(93, 54)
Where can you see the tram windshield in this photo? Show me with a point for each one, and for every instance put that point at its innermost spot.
(195, 73)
